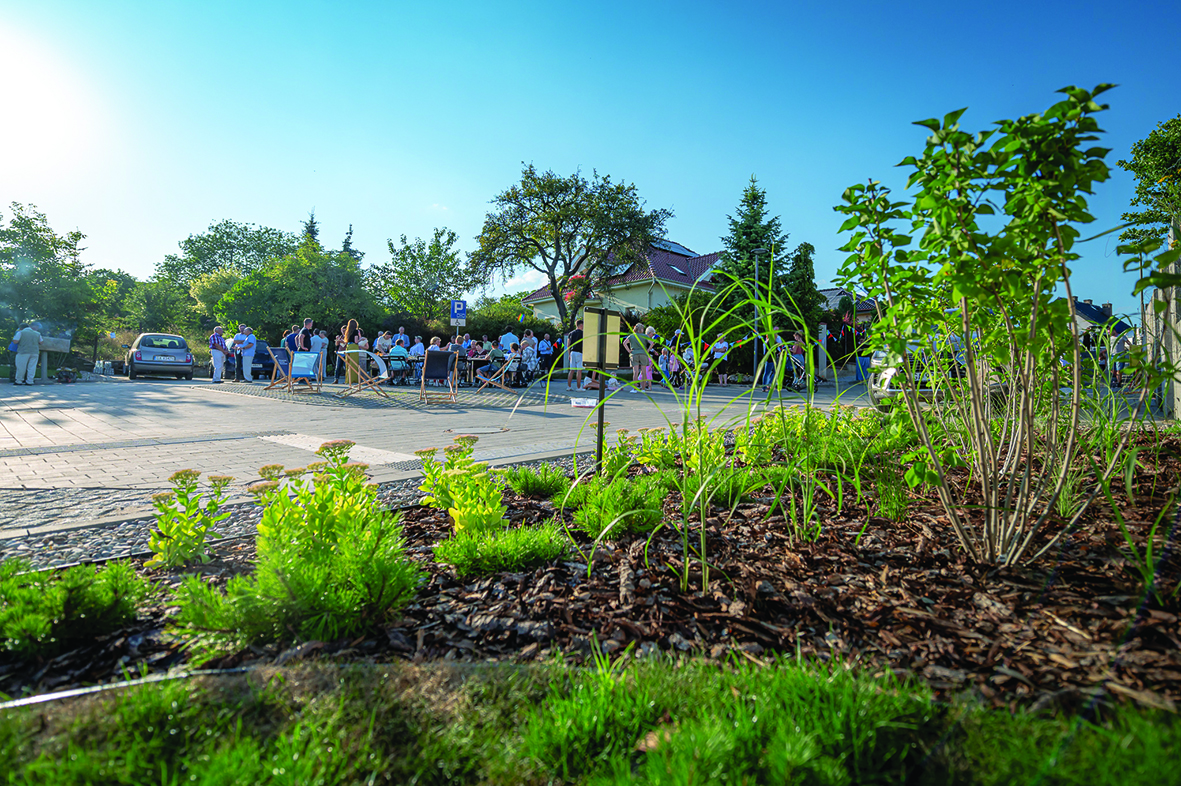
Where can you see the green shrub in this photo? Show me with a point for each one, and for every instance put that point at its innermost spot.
(182, 523)
(481, 553)
(44, 612)
(623, 504)
(547, 481)
(331, 563)
(461, 486)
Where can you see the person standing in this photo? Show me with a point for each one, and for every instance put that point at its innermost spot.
(575, 364)
(28, 349)
(248, 347)
(508, 339)
(649, 348)
(318, 341)
(545, 354)
(304, 342)
(352, 335)
(291, 340)
(721, 348)
(341, 344)
(637, 350)
(218, 352)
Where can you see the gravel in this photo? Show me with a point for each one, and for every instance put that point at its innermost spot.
(127, 538)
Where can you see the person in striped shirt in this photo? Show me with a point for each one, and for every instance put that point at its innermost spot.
(219, 352)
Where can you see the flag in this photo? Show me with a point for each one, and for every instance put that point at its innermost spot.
(521, 318)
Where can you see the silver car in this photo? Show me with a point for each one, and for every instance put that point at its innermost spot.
(159, 353)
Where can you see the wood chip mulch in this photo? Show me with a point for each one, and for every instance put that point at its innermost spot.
(1070, 629)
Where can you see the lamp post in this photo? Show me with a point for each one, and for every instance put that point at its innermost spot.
(755, 371)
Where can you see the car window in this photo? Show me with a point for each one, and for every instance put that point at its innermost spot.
(162, 342)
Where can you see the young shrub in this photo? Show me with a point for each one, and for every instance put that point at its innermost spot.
(547, 481)
(482, 553)
(182, 523)
(45, 612)
(331, 563)
(461, 486)
(624, 504)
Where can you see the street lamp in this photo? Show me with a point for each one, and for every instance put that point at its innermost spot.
(755, 371)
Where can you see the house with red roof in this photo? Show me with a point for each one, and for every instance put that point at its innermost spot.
(669, 270)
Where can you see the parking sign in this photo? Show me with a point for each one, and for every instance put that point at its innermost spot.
(458, 312)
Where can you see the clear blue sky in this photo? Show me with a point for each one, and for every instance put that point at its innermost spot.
(142, 122)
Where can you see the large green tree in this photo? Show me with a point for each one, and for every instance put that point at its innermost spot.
(422, 277)
(564, 227)
(226, 244)
(310, 282)
(159, 306)
(751, 227)
(209, 288)
(41, 273)
(1156, 163)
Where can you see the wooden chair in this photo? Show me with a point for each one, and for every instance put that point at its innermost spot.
(440, 366)
(306, 374)
(363, 380)
(281, 373)
(497, 378)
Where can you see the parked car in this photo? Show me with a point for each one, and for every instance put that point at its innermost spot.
(262, 367)
(930, 367)
(159, 353)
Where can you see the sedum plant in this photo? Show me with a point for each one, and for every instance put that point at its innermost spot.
(461, 486)
(183, 523)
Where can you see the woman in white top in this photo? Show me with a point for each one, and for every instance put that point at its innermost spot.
(720, 348)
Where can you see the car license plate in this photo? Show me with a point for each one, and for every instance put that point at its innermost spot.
(168, 358)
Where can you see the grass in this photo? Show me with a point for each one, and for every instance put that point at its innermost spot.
(659, 722)
(485, 552)
(622, 504)
(546, 481)
(43, 612)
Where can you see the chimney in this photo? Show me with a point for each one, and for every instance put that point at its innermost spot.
(1106, 309)
(1088, 301)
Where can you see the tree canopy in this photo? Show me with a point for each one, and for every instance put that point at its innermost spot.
(799, 291)
(563, 227)
(41, 273)
(751, 228)
(1156, 163)
(310, 282)
(226, 244)
(421, 278)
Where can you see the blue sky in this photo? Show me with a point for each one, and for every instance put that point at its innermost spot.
(142, 122)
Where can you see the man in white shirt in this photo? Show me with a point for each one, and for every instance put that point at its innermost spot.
(236, 345)
(28, 351)
(467, 342)
(508, 339)
(249, 344)
(319, 341)
(418, 349)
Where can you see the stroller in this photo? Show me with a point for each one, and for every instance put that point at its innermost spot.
(530, 365)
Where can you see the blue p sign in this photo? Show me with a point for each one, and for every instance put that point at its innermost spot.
(459, 309)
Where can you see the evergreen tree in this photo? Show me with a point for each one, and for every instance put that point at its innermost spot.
(750, 228)
(799, 291)
(347, 246)
(311, 229)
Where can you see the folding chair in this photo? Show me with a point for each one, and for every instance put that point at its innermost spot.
(498, 377)
(439, 366)
(306, 373)
(363, 380)
(281, 373)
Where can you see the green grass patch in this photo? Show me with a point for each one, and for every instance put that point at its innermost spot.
(546, 481)
(621, 505)
(43, 612)
(485, 552)
(658, 723)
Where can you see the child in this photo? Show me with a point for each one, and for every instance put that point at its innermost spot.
(664, 367)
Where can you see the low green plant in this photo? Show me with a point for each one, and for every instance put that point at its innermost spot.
(892, 491)
(475, 552)
(43, 612)
(726, 487)
(546, 481)
(331, 563)
(461, 486)
(622, 504)
(183, 523)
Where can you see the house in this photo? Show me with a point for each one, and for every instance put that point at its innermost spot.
(669, 270)
(1088, 316)
(866, 307)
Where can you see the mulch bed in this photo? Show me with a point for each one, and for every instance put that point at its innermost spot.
(885, 596)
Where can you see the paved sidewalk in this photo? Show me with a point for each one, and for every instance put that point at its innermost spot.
(115, 442)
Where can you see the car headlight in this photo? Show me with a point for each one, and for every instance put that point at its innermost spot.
(879, 359)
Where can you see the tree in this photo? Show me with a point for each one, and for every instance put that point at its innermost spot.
(310, 282)
(799, 291)
(750, 228)
(311, 230)
(422, 277)
(41, 274)
(490, 315)
(111, 293)
(209, 288)
(226, 244)
(1156, 163)
(347, 246)
(159, 306)
(566, 226)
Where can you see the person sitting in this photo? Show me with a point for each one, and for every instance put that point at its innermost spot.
(384, 343)
(399, 362)
(513, 361)
(529, 361)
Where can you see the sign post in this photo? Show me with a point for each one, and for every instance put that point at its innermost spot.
(600, 351)
(458, 313)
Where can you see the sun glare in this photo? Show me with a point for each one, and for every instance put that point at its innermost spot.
(52, 118)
